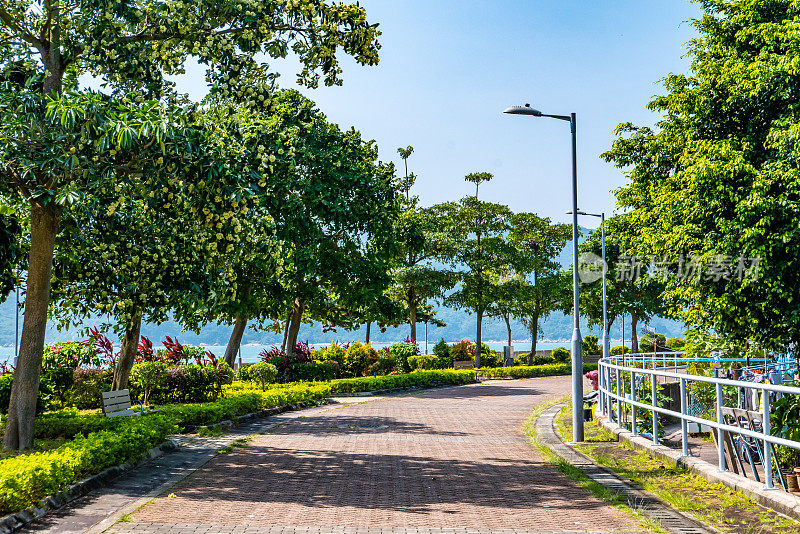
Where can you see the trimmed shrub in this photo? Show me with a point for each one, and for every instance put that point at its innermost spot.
(675, 343)
(591, 345)
(333, 352)
(149, 376)
(385, 364)
(358, 358)
(263, 373)
(417, 378)
(88, 385)
(442, 351)
(618, 350)
(401, 353)
(533, 371)
(423, 362)
(560, 354)
(313, 371)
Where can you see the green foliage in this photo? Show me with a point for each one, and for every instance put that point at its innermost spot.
(417, 378)
(333, 352)
(25, 479)
(619, 349)
(646, 343)
(424, 362)
(560, 354)
(442, 352)
(149, 376)
(462, 351)
(675, 343)
(591, 345)
(401, 352)
(533, 371)
(358, 358)
(716, 187)
(7, 380)
(785, 423)
(263, 373)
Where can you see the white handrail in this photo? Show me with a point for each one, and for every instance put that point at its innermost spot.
(611, 371)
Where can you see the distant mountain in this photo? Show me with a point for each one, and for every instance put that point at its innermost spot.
(460, 325)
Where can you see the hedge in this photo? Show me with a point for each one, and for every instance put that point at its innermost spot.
(532, 371)
(100, 443)
(27, 478)
(417, 378)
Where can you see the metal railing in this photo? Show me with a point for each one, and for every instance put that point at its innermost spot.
(617, 381)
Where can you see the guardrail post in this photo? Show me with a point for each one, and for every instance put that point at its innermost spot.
(765, 427)
(654, 403)
(600, 384)
(620, 393)
(720, 432)
(684, 423)
(633, 398)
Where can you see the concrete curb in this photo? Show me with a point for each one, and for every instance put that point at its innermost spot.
(776, 499)
(17, 520)
(671, 519)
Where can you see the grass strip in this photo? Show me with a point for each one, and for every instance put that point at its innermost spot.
(575, 474)
(711, 503)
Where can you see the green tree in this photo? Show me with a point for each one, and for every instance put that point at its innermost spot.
(630, 287)
(334, 211)
(482, 254)
(717, 179)
(48, 157)
(535, 245)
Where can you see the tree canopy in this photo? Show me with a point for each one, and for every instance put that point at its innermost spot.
(713, 188)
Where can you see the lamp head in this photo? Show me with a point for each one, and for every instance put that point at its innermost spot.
(523, 110)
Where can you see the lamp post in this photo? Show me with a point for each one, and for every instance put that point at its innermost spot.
(577, 356)
(606, 339)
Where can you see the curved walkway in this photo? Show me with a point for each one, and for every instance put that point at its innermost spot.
(448, 460)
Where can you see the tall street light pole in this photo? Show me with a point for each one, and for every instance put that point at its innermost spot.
(577, 343)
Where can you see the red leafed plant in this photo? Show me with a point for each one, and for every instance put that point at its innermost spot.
(175, 353)
(145, 352)
(103, 347)
(6, 369)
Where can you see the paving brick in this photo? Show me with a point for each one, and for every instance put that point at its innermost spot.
(440, 462)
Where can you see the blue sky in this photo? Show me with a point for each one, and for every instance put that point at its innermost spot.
(448, 68)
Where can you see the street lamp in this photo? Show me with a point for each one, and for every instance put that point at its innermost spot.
(577, 356)
(606, 339)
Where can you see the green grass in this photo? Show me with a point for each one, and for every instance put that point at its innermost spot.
(573, 473)
(712, 503)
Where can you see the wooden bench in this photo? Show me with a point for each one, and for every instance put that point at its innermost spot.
(468, 364)
(118, 404)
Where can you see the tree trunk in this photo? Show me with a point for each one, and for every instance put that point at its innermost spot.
(286, 331)
(534, 336)
(25, 389)
(369, 324)
(127, 355)
(236, 339)
(412, 313)
(634, 336)
(508, 327)
(294, 326)
(478, 340)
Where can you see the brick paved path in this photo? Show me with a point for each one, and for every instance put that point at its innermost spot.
(453, 458)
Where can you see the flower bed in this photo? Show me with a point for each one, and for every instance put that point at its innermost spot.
(532, 371)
